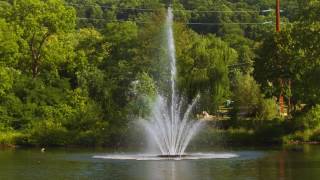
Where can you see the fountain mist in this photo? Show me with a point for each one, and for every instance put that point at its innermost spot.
(169, 127)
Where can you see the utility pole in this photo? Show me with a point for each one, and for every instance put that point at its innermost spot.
(287, 81)
(278, 16)
(281, 99)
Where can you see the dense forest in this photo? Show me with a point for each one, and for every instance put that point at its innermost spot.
(79, 72)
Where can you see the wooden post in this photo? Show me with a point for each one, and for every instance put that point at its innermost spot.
(289, 98)
(278, 16)
(281, 99)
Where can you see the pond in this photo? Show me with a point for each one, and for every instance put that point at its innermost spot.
(296, 162)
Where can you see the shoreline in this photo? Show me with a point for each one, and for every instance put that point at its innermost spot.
(15, 146)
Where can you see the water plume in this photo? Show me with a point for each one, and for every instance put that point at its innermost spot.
(168, 126)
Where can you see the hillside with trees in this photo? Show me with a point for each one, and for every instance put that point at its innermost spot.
(80, 72)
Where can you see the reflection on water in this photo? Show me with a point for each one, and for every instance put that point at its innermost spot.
(161, 170)
(271, 164)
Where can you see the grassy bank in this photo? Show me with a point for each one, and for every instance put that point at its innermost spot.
(247, 132)
(223, 132)
(10, 138)
(211, 134)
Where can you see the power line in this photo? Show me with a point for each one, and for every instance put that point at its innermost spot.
(110, 21)
(110, 7)
(178, 10)
(215, 11)
(189, 23)
(231, 23)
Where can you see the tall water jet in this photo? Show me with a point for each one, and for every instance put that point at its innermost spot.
(169, 127)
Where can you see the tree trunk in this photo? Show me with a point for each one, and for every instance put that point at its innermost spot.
(36, 53)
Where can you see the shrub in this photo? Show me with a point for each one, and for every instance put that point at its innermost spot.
(249, 101)
(303, 136)
(93, 136)
(308, 120)
(299, 136)
(10, 138)
(270, 132)
(246, 95)
(209, 136)
(49, 133)
(88, 138)
(239, 136)
(315, 136)
(268, 109)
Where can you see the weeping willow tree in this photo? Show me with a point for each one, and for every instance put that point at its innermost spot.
(203, 67)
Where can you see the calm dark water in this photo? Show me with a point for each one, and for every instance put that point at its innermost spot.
(298, 162)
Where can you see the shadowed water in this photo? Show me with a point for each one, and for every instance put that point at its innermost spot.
(169, 127)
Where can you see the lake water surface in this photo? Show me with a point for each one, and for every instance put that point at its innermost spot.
(296, 162)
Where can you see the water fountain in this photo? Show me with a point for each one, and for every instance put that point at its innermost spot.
(168, 126)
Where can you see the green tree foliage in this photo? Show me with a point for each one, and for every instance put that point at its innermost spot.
(6, 80)
(292, 56)
(308, 120)
(249, 101)
(247, 91)
(141, 96)
(78, 72)
(40, 37)
(9, 47)
(40, 27)
(203, 67)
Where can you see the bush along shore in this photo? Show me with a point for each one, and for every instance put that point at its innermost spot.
(303, 129)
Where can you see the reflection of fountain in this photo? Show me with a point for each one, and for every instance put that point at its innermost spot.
(168, 126)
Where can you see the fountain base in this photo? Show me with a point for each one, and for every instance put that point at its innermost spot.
(172, 156)
(177, 157)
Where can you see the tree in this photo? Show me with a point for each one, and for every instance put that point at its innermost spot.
(203, 67)
(306, 35)
(274, 61)
(141, 96)
(250, 101)
(7, 76)
(9, 48)
(38, 24)
(293, 57)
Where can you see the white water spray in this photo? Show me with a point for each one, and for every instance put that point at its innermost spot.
(168, 126)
